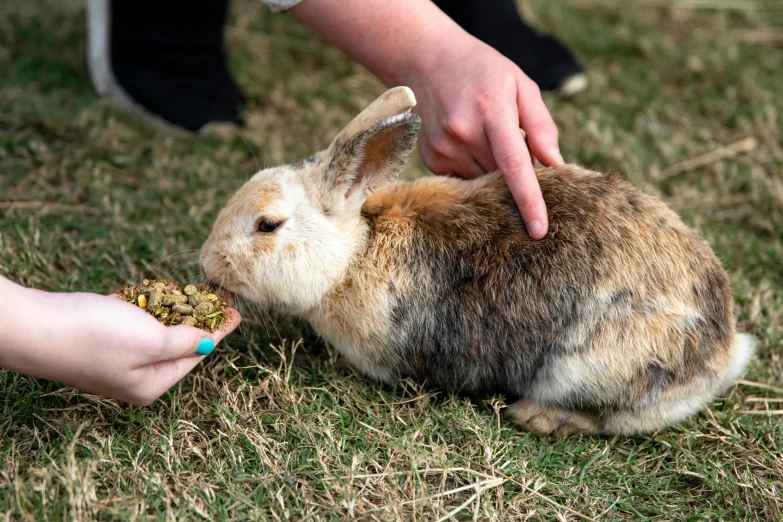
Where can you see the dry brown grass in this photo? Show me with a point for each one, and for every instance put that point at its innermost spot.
(269, 428)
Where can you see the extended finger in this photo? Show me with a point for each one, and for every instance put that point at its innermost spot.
(512, 157)
(533, 158)
(534, 118)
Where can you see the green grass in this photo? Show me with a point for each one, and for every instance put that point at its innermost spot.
(257, 432)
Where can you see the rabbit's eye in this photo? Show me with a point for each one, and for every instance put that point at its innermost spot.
(267, 226)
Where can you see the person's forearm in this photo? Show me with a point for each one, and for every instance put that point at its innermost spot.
(389, 38)
(27, 325)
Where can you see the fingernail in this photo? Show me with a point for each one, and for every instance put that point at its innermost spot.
(556, 154)
(205, 346)
(534, 228)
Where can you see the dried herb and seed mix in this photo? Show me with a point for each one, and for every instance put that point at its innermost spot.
(171, 305)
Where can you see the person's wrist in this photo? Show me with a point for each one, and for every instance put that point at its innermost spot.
(435, 48)
(18, 303)
(33, 321)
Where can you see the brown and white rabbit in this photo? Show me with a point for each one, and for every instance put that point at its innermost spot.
(618, 321)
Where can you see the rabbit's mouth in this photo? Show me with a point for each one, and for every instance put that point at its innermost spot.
(229, 296)
(224, 292)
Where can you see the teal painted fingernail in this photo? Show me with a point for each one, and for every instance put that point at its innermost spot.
(205, 346)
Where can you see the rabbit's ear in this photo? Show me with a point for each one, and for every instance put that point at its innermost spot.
(374, 148)
(391, 103)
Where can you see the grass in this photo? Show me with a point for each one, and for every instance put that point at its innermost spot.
(272, 426)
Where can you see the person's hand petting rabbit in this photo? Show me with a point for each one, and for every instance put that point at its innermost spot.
(472, 100)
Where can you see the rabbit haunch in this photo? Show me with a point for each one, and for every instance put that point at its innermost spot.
(619, 321)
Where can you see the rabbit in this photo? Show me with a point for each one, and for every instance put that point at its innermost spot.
(618, 321)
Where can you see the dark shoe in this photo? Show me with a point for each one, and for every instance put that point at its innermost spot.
(498, 23)
(164, 59)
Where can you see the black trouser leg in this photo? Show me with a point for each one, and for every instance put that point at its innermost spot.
(498, 23)
(169, 56)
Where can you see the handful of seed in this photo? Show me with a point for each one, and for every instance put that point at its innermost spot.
(171, 305)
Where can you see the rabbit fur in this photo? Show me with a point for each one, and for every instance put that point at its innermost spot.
(619, 321)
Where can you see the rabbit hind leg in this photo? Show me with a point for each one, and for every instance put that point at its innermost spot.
(677, 403)
(545, 419)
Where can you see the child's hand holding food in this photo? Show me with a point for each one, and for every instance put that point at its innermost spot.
(99, 344)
